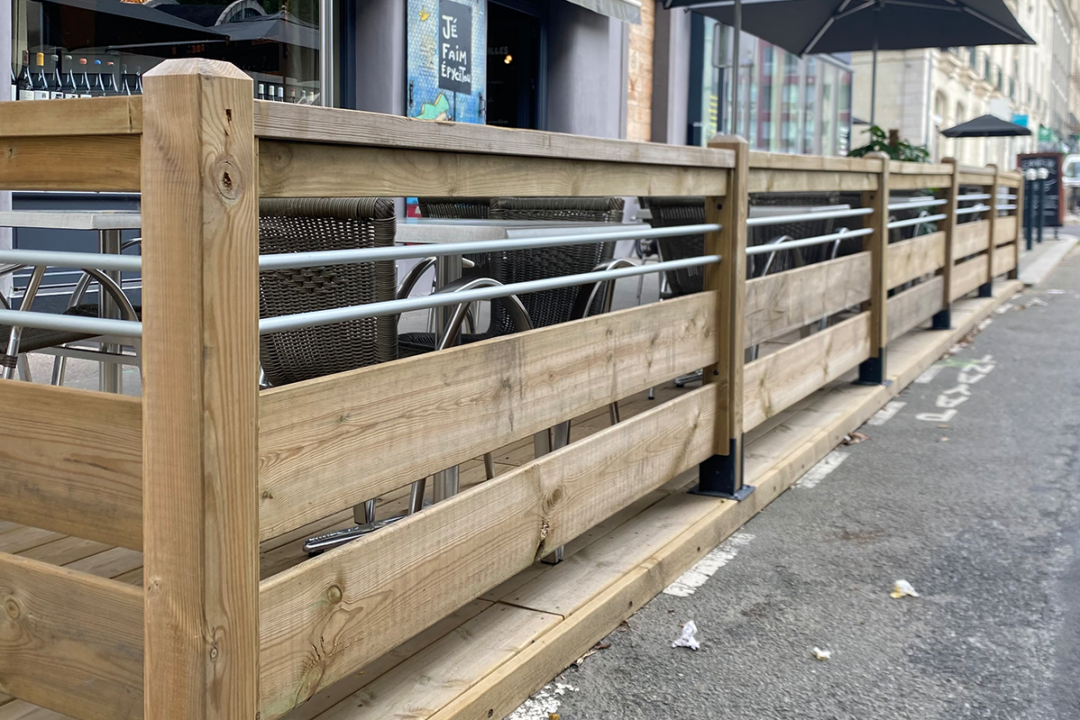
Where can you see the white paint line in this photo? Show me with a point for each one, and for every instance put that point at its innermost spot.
(929, 374)
(886, 413)
(942, 417)
(707, 566)
(543, 704)
(817, 473)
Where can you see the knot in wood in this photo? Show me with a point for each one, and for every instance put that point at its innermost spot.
(227, 177)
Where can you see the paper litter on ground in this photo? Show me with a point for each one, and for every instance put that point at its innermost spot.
(687, 639)
(903, 588)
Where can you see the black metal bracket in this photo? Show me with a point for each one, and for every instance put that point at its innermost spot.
(721, 476)
(986, 290)
(943, 320)
(872, 370)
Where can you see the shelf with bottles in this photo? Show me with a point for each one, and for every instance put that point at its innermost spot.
(58, 74)
(285, 89)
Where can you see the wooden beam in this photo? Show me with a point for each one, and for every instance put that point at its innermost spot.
(919, 182)
(1004, 260)
(910, 259)
(65, 473)
(768, 180)
(971, 238)
(913, 306)
(291, 169)
(878, 246)
(1005, 230)
(69, 641)
(1011, 179)
(330, 443)
(120, 115)
(969, 275)
(779, 303)
(103, 163)
(304, 123)
(821, 163)
(777, 381)
(974, 176)
(1018, 213)
(326, 618)
(899, 168)
(200, 365)
(949, 224)
(992, 220)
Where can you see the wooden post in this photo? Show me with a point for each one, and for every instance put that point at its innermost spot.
(873, 371)
(942, 320)
(722, 474)
(1014, 274)
(987, 288)
(200, 365)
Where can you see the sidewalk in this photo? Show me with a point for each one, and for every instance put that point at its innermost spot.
(1036, 265)
(979, 511)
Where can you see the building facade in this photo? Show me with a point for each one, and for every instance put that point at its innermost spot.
(922, 92)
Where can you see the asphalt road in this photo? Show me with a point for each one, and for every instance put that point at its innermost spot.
(985, 525)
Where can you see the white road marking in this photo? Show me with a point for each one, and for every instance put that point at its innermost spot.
(543, 704)
(707, 566)
(817, 473)
(886, 413)
(942, 417)
(929, 374)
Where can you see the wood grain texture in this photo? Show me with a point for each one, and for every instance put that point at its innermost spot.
(779, 303)
(1018, 213)
(291, 169)
(992, 223)
(768, 180)
(949, 225)
(824, 163)
(120, 115)
(976, 176)
(69, 641)
(971, 238)
(1004, 260)
(910, 259)
(62, 473)
(878, 246)
(200, 365)
(913, 306)
(777, 381)
(1010, 179)
(969, 275)
(326, 618)
(107, 163)
(285, 121)
(328, 443)
(919, 182)
(898, 168)
(1006, 230)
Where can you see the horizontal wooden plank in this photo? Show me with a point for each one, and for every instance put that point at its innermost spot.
(329, 443)
(1009, 179)
(72, 462)
(777, 381)
(968, 275)
(787, 161)
(909, 259)
(69, 641)
(1004, 259)
(968, 177)
(291, 169)
(120, 115)
(779, 303)
(896, 167)
(918, 182)
(286, 121)
(971, 238)
(981, 172)
(1005, 230)
(913, 306)
(326, 618)
(90, 163)
(768, 180)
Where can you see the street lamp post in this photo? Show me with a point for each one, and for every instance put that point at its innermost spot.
(1041, 219)
(1029, 207)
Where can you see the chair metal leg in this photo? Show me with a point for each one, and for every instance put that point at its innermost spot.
(489, 466)
(24, 368)
(16, 331)
(683, 380)
(416, 496)
(560, 437)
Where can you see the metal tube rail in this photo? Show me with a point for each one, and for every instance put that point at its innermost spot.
(915, 204)
(292, 261)
(71, 323)
(915, 221)
(800, 217)
(81, 260)
(973, 196)
(283, 323)
(972, 209)
(1006, 196)
(1007, 206)
(807, 242)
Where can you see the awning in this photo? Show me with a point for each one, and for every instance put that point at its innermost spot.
(625, 10)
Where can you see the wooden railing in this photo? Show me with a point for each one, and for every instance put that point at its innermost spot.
(203, 467)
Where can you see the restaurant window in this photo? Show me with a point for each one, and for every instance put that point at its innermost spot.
(828, 108)
(810, 105)
(843, 114)
(767, 95)
(80, 48)
(791, 107)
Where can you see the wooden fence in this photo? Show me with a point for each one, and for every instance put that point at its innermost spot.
(203, 467)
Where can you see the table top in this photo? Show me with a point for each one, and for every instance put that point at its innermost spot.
(72, 219)
(435, 230)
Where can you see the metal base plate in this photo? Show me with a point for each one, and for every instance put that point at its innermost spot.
(738, 496)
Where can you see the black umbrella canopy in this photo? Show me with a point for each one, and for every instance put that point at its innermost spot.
(986, 126)
(830, 26)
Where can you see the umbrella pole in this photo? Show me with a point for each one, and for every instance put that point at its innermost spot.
(873, 73)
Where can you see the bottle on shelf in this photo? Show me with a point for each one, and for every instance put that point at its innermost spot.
(292, 96)
(125, 85)
(262, 91)
(41, 81)
(138, 79)
(281, 93)
(97, 89)
(56, 84)
(26, 83)
(303, 97)
(14, 85)
(69, 88)
(85, 87)
(111, 86)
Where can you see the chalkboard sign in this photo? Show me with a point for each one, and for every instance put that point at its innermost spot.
(455, 47)
(1053, 200)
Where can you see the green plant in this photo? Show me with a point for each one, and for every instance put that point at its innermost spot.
(894, 147)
